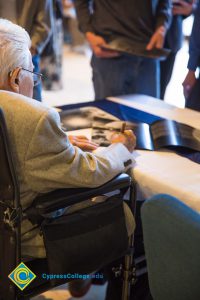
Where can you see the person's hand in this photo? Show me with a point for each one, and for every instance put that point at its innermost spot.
(157, 39)
(128, 139)
(96, 42)
(67, 4)
(183, 8)
(82, 142)
(189, 83)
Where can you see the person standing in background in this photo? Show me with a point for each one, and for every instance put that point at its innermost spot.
(35, 16)
(74, 37)
(174, 39)
(51, 58)
(191, 84)
(144, 23)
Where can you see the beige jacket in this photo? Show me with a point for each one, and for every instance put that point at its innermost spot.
(45, 160)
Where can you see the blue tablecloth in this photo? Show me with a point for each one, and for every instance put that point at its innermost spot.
(120, 111)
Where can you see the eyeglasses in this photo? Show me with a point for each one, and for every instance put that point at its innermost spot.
(37, 77)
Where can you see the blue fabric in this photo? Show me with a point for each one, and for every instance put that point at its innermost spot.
(120, 111)
(127, 113)
(190, 154)
(37, 90)
(174, 36)
(127, 74)
(194, 48)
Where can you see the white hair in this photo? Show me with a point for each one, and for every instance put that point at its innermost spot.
(14, 48)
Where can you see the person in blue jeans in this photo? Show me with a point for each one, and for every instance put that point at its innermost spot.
(36, 17)
(37, 90)
(143, 23)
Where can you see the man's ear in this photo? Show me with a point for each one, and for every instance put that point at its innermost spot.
(13, 80)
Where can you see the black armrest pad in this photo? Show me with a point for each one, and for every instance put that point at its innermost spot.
(65, 197)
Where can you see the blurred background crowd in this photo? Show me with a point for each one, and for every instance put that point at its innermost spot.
(63, 54)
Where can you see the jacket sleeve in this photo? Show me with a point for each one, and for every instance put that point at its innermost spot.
(194, 46)
(83, 10)
(163, 13)
(52, 162)
(43, 21)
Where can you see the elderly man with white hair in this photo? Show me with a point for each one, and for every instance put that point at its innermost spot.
(45, 157)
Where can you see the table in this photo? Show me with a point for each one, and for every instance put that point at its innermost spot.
(160, 108)
(164, 171)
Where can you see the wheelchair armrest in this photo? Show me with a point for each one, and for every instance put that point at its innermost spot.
(62, 198)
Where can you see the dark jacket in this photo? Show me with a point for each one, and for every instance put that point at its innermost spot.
(174, 37)
(194, 49)
(133, 19)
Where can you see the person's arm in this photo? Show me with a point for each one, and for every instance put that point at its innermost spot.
(184, 8)
(163, 19)
(96, 43)
(84, 15)
(41, 30)
(52, 162)
(194, 54)
(83, 11)
(163, 13)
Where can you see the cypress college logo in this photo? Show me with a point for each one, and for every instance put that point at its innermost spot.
(22, 276)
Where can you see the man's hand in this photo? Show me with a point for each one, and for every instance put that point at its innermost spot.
(189, 83)
(82, 142)
(128, 139)
(96, 42)
(183, 8)
(67, 4)
(157, 39)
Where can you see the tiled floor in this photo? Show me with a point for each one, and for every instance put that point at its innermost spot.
(78, 88)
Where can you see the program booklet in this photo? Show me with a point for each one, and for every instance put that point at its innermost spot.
(162, 133)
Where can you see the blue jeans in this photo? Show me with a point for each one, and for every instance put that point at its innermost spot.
(125, 75)
(37, 91)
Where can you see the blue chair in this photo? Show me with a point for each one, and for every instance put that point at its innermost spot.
(172, 245)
